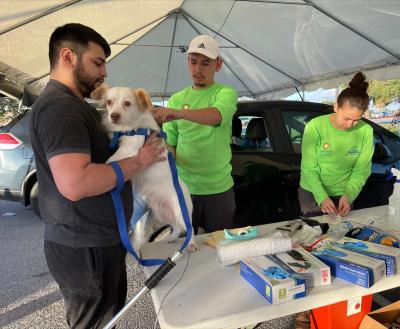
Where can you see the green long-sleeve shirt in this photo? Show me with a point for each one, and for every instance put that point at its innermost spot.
(203, 152)
(335, 162)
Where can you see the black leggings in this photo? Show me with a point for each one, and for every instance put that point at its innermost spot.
(92, 281)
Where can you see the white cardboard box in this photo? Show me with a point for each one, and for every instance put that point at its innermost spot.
(300, 263)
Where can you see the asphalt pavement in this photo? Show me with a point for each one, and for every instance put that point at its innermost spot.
(29, 297)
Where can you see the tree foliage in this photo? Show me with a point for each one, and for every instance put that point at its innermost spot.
(384, 92)
(9, 109)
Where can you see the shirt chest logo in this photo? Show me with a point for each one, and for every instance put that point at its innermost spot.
(326, 146)
(353, 151)
(186, 106)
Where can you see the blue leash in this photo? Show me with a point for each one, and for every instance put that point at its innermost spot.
(119, 210)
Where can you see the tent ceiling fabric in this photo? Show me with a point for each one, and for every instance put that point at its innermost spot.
(269, 47)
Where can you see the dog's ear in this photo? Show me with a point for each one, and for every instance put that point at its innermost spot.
(144, 99)
(100, 92)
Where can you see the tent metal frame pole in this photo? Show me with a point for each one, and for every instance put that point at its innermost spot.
(244, 49)
(143, 27)
(170, 54)
(298, 91)
(338, 76)
(276, 2)
(38, 16)
(228, 66)
(116, 42)
(352, 29)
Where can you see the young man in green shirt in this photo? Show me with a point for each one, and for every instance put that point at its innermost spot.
(336, 154)
(198, 123)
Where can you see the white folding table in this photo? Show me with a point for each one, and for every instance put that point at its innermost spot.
(212, 296)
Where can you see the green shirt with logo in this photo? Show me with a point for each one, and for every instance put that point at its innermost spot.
(335, 162)
(203, 152)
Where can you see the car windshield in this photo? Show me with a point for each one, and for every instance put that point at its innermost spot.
(10, 108)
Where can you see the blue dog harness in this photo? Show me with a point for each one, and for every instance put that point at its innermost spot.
(119, 210)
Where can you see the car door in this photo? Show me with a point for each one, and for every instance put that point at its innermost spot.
(259, 159)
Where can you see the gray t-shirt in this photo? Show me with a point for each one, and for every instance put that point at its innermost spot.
(62, 123)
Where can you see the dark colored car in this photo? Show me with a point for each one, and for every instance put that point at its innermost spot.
(266, 161)
(266, 157)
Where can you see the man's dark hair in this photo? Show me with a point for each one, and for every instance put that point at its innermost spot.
(75, 36)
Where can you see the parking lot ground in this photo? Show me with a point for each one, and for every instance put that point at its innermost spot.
(30, 299)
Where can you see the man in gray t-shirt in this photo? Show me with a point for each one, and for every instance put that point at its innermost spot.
(82, 245)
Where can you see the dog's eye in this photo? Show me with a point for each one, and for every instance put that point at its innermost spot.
(109, 102)
(127, 104)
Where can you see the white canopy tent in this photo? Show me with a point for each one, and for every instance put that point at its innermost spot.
(270, 47)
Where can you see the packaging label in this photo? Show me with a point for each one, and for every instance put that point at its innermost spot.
(295, 290)
(354, 306)
(325, 276)
(268, 290)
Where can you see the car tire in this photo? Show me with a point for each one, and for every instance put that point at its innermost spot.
(33, 198)
(161, 234)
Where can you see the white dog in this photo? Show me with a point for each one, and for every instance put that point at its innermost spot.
(127, 110)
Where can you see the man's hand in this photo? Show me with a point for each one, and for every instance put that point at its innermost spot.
(344, 206)
(328, 207)
(164, 114)
(151, 151)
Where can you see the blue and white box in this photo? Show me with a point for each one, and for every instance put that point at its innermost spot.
(350, 266)
(302, 264)
(390, 255)
(271, 281)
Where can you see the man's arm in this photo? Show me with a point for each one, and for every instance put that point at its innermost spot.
(206, 116)
(77, 178)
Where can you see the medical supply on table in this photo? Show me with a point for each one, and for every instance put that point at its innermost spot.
(350, 266)
(299, 263)
(290, 228)
(375, 235)
(215, 237)
(390, 255)
(307, 235)
(230, 251)
(339, 230)
(245, 233)
(331, 219)
(313, 222)
(271, 281)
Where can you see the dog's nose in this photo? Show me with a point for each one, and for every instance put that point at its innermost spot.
(115, 117)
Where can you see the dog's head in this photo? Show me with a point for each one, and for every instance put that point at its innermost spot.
(127, 108)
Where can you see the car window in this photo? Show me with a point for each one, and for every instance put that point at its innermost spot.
(249, 134)
(295, 121)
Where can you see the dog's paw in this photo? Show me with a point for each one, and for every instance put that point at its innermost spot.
(192, 247)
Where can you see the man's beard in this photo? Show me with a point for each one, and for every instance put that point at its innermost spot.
(84, 82)
(201, 85)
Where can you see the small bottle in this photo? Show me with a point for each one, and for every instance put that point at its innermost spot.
(394, 199)
(338, 231)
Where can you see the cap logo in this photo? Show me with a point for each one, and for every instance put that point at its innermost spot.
(201, 46)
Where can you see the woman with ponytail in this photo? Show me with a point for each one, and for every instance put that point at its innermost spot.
(336, 154)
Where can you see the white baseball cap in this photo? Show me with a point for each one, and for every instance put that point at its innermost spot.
(204, 45)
